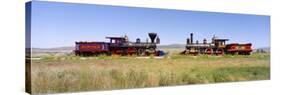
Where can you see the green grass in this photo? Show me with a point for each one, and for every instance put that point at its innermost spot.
(70, 73)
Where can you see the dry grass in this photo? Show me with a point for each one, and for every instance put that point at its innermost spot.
(71, 73)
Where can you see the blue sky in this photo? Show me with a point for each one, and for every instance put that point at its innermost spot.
(61, 24)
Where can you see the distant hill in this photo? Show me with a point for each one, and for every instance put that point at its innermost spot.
(59, 49)
(263, 49)
(172, 46)
(37, 52)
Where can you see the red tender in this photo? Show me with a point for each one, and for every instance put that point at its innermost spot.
(91, 46)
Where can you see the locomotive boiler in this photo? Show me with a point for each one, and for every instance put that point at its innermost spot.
(216, 47)
(120, 46)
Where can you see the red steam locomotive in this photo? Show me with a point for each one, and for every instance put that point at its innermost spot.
(216, 47)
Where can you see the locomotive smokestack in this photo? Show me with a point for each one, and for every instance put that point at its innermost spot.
(191, 38)
(152, 36)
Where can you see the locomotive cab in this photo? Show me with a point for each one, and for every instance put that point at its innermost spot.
(116, 40)
(220, 43)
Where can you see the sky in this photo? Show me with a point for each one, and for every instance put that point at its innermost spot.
(55, 24)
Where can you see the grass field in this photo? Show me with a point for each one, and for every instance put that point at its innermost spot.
(52, 74)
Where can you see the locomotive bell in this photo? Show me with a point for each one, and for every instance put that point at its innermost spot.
(152, 36)
(158, 40)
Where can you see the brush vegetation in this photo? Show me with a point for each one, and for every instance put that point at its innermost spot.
(68, 73)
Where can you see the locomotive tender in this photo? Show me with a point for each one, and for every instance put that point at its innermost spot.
(120, 46)
(216, 47)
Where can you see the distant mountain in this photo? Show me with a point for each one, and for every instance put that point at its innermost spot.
(37, 52)
(172, 46)
(59, 49)
(263, 49)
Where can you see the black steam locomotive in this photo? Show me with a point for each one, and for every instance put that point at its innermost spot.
(120, 46)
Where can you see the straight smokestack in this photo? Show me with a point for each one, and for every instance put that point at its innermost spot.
(191, 38)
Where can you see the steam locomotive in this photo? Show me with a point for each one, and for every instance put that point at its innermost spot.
(120, 46)
(216, 47)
